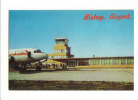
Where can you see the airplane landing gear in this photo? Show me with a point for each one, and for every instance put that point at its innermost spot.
(22, 67)
(38, 66)
(25, 66)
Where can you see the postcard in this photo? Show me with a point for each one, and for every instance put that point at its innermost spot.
(71, 50)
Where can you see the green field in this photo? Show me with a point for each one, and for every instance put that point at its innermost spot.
(68, 85)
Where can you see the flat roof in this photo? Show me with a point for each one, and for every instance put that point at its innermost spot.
(61, 38)
(90, 58)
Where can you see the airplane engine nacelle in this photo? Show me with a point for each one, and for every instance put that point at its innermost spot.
(29, 54)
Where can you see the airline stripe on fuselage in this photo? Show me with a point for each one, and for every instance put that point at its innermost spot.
(18, 54)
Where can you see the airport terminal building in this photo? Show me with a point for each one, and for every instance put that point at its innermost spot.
(62, 54)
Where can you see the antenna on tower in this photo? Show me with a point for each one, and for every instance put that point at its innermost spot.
(56, 35)
(61, 34)
(66, 35)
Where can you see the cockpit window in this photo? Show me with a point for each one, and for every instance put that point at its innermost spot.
(37, 51)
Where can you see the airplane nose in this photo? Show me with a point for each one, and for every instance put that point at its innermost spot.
(45, 55)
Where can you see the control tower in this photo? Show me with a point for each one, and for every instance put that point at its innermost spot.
(61, 49)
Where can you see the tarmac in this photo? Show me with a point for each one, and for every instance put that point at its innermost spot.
(114, 75)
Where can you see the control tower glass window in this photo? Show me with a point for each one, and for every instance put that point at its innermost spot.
(61, 41)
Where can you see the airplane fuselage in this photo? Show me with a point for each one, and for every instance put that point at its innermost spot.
(26, 55)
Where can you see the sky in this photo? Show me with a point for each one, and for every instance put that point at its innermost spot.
(105, 38)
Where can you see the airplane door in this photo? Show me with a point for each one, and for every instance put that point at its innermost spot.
(29, 54)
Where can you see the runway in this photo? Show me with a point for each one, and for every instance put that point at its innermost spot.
(115, 75)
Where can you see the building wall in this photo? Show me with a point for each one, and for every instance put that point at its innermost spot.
(112, 61)
(102, 62)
